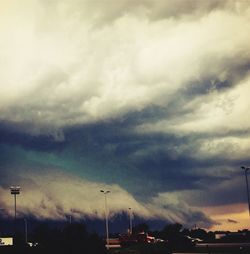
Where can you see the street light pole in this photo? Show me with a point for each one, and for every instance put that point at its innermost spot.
(15, 190)
(26, 230)
(130, 220)
(106, 216)
(248, 199)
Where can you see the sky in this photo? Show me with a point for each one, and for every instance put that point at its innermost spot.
(146, 99)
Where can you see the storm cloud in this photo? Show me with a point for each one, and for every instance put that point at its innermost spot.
(147, 98)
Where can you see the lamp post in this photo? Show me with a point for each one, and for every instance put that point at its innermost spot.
(26, 230)
(130, 220)
(248, 199)
(106, 216)
(15, 190)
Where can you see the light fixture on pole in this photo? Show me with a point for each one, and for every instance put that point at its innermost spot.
(248, 199)
(15, 190)
(130, 220)
(106, 216)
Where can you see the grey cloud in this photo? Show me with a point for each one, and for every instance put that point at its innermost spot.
(179, 210)
(107, 11)
(188, 8)
(231, 191)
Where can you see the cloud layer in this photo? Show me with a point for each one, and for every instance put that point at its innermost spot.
(55, 195)
(146, 98)
(59, 69)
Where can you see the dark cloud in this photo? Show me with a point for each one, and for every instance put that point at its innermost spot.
(42, 142)
(112, 153)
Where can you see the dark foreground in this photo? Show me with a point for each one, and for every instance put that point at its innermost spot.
(210, 248)
(223, 248)
(75, 239)
(41, 250)
(160, 248)
(53, 250)
(72, 239)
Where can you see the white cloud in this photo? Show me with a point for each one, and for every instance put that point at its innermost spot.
(59, 69)
(54, 195)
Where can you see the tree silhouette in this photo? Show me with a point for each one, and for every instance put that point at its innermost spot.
(72, 239)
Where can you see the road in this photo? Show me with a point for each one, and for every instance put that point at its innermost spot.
(220, 248)
(201, 248)
(222, 245)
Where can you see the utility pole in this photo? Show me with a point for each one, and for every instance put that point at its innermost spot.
(130, 221)
(26, 230)
(248, 199)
